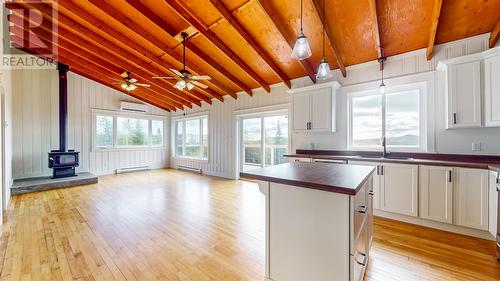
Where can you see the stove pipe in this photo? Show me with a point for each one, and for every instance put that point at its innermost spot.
(63, 105)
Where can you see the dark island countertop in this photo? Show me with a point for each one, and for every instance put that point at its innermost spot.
(346, 179)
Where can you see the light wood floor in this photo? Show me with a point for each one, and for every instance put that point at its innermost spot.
(172, 225)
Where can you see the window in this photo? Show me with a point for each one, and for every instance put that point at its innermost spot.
(113, 131)
(395, 115)
(191, 138)
(104, 131)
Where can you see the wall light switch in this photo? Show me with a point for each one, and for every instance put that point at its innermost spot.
(476, 146)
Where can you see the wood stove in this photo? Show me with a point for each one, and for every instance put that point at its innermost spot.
(63, 161)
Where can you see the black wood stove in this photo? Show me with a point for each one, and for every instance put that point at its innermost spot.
(63, 162)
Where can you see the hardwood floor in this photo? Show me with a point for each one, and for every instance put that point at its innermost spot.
(172, 225)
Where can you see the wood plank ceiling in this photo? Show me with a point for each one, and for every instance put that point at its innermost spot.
(241, 44)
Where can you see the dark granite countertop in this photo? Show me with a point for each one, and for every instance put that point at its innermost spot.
(456, 160)
(346, 179)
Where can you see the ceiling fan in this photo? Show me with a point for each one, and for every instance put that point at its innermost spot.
(185, 79)
(128, 83)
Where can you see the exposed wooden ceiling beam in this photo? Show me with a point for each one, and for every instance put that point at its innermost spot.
(20, 43)
(65, 35)
(434, 26)
(495, 34)
(340, 62)
(139, 30)
(249, 39)
(372, 4)
(132, 52)
(287, 34)
(199, 53)
(211, 36)
(74, 52)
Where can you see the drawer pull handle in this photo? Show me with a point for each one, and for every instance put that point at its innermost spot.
(362, 209)
(371, 193)
(363, 263)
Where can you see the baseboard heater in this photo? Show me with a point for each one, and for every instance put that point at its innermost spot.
(132, 169)
(187, 168)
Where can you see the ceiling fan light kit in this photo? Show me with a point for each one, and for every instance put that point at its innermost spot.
(301, 49)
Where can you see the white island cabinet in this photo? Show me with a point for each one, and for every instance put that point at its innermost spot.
(318, 220)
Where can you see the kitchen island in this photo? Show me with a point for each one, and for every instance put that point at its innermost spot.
(319, 220)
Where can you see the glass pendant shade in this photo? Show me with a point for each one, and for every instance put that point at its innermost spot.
(180, 85)
(128, 87)
(124, 86)
(382, 88)
(301, 50)
(189, 86)
(324, 71)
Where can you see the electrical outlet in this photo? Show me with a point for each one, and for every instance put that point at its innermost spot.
(476, 146)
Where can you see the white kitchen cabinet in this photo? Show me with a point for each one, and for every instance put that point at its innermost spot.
(436, 193)
(399, 188)
(314, 107)
(376, 181)
(462, 83)
(471, 198)
(492, 87)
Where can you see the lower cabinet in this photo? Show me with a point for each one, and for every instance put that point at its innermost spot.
(471, 197)
(375, 192)
(436, 193)
(399, 188)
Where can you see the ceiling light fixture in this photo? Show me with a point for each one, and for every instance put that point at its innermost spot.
(324, 71)
(301, 50)
(381, 61)
(129, 87)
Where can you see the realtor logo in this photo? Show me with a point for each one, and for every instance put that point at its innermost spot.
(33, 30)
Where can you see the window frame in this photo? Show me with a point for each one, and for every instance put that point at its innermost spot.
(115, 115)
(420, 87)
(183, 119)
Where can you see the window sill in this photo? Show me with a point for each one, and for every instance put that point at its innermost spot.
(111, 149)
(190, 159)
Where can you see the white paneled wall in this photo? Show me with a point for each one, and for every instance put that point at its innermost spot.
(222, 130)
(35, 124)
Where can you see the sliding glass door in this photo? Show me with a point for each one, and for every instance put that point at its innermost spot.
(264, 140)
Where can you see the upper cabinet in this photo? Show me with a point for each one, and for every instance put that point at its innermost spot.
(313, 107)
(492, 87)
(462, 82)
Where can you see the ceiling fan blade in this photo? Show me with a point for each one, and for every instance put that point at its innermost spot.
(143, 85)
(124, 74)
(201, 77)
(132, 80)
(177, 72)
(119, 80)
(199, 84)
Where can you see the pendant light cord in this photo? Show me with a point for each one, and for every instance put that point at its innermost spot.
(301, 15)
(323, 23)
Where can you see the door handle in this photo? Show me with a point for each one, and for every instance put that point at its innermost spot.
(381, 170)
(454, 118)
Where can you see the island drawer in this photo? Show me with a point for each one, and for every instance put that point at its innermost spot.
(359, 208)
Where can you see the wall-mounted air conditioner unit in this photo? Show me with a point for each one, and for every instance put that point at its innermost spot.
(133, 107)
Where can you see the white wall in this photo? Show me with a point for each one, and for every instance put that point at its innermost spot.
(36, 129)
(407, 68)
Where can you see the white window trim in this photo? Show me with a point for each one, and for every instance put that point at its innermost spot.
(184, 118)
(421, 87)
(115, 115)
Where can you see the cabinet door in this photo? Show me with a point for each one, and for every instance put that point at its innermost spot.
(321, 110)
(472, 198)
(399, 189)
(464, 96)
(436, 193)
(376, 181)
(300, 110)
(492, 91)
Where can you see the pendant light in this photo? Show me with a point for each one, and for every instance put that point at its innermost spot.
(324, 71)
(381, 88)
(301, 50)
